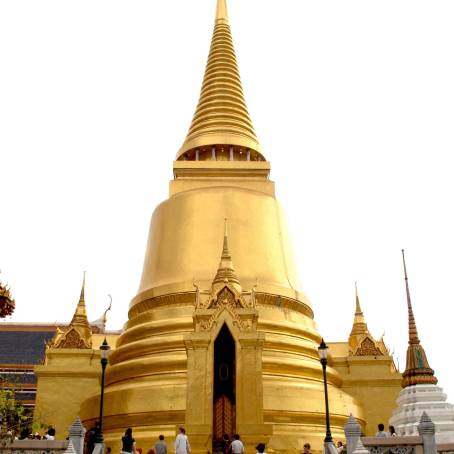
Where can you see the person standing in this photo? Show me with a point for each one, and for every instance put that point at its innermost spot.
(381, 431)
(90, 438)
(161, 447)
(225, 444)
(306, 448)
(182, 445)
(260, 448)
(128, 442)
(237, 446)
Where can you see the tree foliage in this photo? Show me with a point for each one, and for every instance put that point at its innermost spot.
(13, 416)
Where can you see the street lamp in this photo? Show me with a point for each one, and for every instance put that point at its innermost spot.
(323, 353)
(104, 352)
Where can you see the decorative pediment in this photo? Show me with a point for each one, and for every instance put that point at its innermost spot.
(241, 309)
(70, 339)
(368, 348)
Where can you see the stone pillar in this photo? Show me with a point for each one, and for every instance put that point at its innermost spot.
(76, 436)
(426, 429)
(360, 449)
(99, 448)
(329, 448)
(70, 449)
(250, 421)
(352, 434)
(199, 403)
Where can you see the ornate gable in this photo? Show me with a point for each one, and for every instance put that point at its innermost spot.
(71, 339)
(368, 347)
(240, 307)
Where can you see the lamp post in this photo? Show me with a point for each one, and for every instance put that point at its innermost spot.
(323, 353)
(104, 352)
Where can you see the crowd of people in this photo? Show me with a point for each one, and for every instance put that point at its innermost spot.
(27, 434)
(181, 446)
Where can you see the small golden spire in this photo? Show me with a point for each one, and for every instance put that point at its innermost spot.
(359, 324)
(221, 122)
(226, 272)
(417, 370)
(78, 333)
(80, 315)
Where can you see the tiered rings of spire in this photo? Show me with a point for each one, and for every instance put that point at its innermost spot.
(221, 128)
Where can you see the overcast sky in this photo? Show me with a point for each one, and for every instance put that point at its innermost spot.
(352, 101)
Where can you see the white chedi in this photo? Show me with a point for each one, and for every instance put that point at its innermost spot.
(416, 399)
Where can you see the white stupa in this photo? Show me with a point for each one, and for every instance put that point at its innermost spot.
(420, 392)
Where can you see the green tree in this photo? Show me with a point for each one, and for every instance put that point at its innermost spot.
(13, 416)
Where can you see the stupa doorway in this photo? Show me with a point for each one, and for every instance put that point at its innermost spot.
(224, 385)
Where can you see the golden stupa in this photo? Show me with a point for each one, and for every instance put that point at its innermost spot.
(220, 338)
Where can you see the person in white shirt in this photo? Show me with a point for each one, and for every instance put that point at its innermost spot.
(237, 446)
(381, 431)
(182, 443)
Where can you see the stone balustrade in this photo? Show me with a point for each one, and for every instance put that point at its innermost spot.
(34, 447)
(74, 444)
(422, 444)
(393, 445)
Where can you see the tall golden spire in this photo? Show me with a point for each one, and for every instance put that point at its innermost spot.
(359, 323)
(226, 272)
(221, 128)
(417, 370)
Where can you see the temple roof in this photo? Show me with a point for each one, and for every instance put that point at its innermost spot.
(23, 347)
(417, 370)
(221, 117)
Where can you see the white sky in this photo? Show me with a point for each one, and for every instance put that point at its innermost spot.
(352, 102)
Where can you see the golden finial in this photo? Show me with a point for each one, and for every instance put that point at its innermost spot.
(358, 307)
(82, 291)
(221, 12)
(221, 121)
(417, 370)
